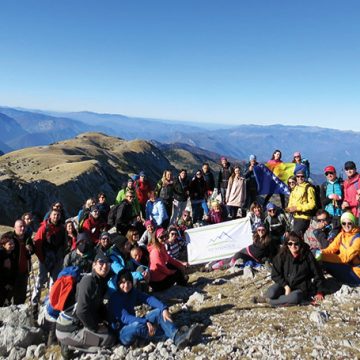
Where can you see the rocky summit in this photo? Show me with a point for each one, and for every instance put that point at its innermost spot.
(73, 170)
(232, 326)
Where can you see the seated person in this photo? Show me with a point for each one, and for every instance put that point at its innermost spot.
(277, 223)
(296, 274)
(83, 254)
(137, 259)
(342, 257)
(256, 215)
(174, 244)
(104, 244)
(120, 256)
(260, 250)
(185, 222)
(156, 324)
(215, 214)
(83, 326)
(165, 271)
(321, 231)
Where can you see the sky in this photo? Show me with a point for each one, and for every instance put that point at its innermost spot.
(226, 62)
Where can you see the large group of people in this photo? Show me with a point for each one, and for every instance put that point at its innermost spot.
(129, 251)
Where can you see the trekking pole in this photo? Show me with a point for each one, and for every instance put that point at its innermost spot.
(30, 272)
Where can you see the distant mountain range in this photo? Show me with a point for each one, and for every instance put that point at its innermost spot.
(25, 128)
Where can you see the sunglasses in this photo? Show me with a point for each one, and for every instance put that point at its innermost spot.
(300, 176)
(292, 183)
(346, 223)
(271, 210)
(291, 243)
(329, 173)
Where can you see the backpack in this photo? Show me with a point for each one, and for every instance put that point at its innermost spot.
(317, 198)
(112, 215)
(84, 215)
(63, 287)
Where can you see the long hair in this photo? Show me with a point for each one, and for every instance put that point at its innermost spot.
(273, 155)
(262, 241)
(163, 179)
(293, 236)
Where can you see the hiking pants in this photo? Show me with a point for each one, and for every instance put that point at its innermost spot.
(177, 211)
(42, 278)
(170, 280)
(276, 294)
(342, 272)
(136, 330)
(85, 338)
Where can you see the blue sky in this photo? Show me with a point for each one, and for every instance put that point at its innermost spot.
(233, 61)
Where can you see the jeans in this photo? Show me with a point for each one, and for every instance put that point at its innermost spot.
(197, 210)
(136, 330)
(342, 272)
(276, 294)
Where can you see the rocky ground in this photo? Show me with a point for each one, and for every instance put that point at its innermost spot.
(233, 327)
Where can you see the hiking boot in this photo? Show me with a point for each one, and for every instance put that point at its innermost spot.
(260, 300)
(189, 337)
(66, 353)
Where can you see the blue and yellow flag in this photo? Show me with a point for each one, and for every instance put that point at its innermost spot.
(282, 170)
(268, 182)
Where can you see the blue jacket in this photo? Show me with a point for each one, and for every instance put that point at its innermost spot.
(156, 211)
(117, 264)
(121, 307)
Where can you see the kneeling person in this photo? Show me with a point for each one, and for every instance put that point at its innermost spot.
(84, 327)
(157, 324)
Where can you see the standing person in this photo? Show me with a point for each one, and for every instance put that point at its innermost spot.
(94, 225)
(277, 224)
(342, 257)
(156, 324)
(24, 248)
(301, 203)
(275, 160)
(142, 188)
(300, 162)
(351, 189)
(122, 195)
(331, 192)
(50, 248)
(251, 185)
(70, 234)
(223, 178)
(235, 192)
(296, 274)
(165, 190)
(209, 178)
(198, 197)
(181, 194)
(156, 211)
(84, 326)
(28, 219)
(121, 216)
(103, 206)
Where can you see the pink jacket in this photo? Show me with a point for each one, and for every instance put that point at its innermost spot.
(158, 259)
(351, 186)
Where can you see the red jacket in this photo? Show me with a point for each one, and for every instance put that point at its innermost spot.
(94, 227)
(158, 258)
(22, 253)
(49, 237)
(142, 188)
(351, 186)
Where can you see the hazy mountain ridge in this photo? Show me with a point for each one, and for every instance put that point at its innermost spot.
(321, 146)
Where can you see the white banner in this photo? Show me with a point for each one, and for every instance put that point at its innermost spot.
(218, 241)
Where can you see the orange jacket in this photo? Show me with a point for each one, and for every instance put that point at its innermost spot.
(344, 249)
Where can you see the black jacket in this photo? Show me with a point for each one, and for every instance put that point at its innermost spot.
(210, 181)
(298, 272)
(181, 189)
(224, 175)
(90, 293)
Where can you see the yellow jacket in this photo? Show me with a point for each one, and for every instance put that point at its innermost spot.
(303, 197)
(345, 249)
